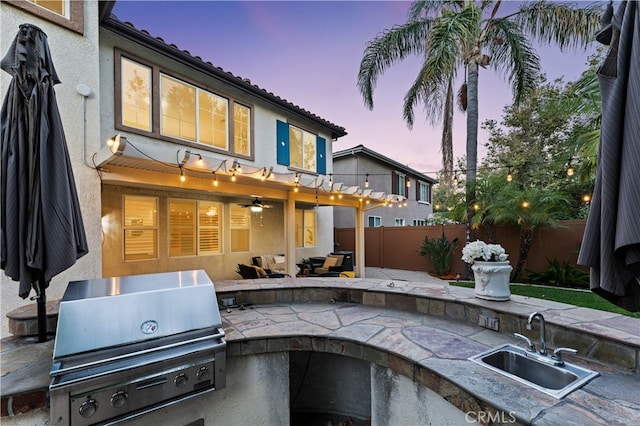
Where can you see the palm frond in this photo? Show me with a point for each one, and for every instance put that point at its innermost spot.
(560, 23)
(422, 9)
(387, 49)
(512, 52)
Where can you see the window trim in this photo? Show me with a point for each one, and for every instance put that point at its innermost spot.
(156, 72)
(75, 21)
(428, 189)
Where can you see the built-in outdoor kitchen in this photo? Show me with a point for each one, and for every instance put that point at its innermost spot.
(366, 351)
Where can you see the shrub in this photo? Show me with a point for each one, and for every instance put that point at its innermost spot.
(440, 251)
(565, 275)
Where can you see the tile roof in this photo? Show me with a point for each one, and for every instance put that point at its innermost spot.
(128, 30)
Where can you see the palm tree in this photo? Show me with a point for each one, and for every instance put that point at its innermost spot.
(527, 208)
(450, 35)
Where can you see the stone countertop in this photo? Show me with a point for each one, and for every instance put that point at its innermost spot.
(428, 342)
(439, 348)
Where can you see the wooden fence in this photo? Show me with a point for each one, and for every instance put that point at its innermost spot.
(398, 247)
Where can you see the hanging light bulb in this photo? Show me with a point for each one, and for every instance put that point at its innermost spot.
(200, 160)
(264, 174)
(476, 206)
(182, 176)
(408, 183)
(269, 172)
(331, 180)
(455, 180)
(215, 179)
(233, 176)
(296, 187)
(366, 181)
(570, 170)
(296, 179)
(509, 175)
(525, 204)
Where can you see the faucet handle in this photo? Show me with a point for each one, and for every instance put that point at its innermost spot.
(530, 346)
(557, 353)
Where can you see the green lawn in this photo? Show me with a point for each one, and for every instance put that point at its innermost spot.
(585, 299)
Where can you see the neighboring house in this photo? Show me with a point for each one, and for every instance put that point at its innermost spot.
(362, 166)
(170, 152)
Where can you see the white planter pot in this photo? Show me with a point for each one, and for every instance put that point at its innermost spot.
(492, 280)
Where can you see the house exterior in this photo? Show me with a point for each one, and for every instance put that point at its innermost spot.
(362, 166)
(171, 154)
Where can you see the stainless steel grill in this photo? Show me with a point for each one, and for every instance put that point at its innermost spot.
(130, 345)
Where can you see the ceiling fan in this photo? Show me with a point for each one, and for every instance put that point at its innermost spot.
(256, 205)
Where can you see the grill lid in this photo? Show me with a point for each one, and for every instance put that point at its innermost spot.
(103, 313)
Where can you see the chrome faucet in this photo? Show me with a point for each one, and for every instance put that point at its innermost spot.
(543, 343)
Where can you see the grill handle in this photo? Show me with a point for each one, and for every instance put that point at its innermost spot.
(57, 370)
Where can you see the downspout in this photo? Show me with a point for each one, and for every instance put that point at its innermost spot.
(85, 92)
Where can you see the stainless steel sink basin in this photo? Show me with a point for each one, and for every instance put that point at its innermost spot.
(532, 370)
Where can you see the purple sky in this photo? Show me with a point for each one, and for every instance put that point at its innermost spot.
(309, 53)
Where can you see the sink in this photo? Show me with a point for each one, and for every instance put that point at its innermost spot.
(535, 370)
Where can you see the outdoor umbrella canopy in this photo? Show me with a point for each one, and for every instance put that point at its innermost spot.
(41, 232)
(611, 243)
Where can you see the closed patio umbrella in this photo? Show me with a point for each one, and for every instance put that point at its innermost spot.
(611, 243)
(41, 232)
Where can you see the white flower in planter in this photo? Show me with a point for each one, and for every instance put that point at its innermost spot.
(481, 251)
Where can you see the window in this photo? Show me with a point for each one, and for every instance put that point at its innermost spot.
(136, 95)
(61, 7)
(400, 187)
(399, 222)
(419, 222)
(140, 228)
(66, 13)
(194, 228)
(187, 112)
(306, 228)
(240, 229)
(374, 221)
(242, 130)
(300, 148)
(424, 192)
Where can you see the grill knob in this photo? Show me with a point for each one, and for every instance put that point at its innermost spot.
(119, 398)
(181, 380)
(203, 373)
(88, 408)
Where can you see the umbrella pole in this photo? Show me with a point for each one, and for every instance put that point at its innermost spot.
(42, 311)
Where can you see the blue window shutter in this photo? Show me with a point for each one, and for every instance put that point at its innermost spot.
(321, 155)
(282, 143)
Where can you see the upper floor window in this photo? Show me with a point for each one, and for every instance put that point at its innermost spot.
(374, 221)
(424, 192)
(400, 187)
(66, 13)
(187, 113)
(136, 95)
(306, 228)
(301, 149)
(140, 227)
(195, 228)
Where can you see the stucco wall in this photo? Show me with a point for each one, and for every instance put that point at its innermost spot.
(75, 58)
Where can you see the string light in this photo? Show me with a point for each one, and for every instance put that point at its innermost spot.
(233, 176)
(586, 198)
(331, 180)
(455, 179)
(408, 183)
(296, 179)
(215, 179)
(509, 175)
(200, 161)
(525, 204)
(296, 189)
(366, 181)
(570, 170)
(182, 176)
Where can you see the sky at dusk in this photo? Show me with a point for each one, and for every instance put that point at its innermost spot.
(309, 53)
